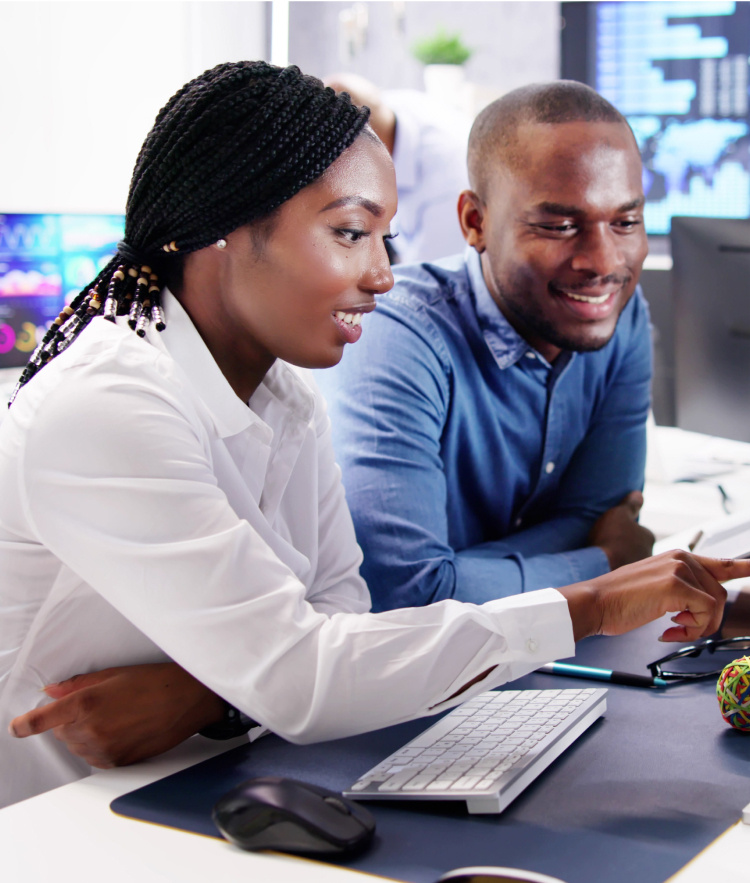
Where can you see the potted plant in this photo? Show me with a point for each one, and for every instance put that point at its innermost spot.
(443, 56)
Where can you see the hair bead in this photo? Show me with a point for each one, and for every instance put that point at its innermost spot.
(134, 315)
(144, 319)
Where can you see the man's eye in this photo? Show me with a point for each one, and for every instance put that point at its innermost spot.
(629, 223)
(557, 228)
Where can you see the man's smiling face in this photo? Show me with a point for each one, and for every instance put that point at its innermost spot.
(560, 231)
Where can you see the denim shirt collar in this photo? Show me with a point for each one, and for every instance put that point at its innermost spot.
(505, 343)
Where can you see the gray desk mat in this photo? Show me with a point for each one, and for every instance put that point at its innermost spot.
(640, 794)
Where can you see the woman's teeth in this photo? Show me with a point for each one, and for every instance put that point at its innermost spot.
(349, 318)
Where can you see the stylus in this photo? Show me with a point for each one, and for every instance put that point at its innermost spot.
(601, 674)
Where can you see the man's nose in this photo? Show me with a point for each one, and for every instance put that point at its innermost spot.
(599, 251)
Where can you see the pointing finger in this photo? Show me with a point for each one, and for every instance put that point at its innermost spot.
(723, 569)
(40, 720)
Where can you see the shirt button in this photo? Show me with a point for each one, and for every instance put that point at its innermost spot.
(518, 522)
(549, 468)
(531, 645)
(530, 355)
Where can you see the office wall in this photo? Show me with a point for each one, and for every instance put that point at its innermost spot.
(514, 42)
(81, 84)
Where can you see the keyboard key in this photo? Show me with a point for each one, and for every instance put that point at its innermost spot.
(394, 783)
(465, 783)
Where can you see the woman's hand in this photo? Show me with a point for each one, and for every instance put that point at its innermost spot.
(121, 715)
(675, 582)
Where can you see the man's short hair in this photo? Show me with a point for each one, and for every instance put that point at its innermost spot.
(494, 135)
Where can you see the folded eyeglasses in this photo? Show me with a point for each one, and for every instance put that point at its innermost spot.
(705, 659)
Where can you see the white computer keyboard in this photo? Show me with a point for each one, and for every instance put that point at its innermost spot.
(486, 751)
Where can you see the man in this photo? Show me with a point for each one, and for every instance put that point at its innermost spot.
(427, 142)
(493, 415)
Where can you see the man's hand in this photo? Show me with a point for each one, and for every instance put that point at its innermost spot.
(675, 582)
(121, 715)
(619, 535)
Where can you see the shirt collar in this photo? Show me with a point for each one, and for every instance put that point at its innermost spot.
(230, 414)
(505, 343)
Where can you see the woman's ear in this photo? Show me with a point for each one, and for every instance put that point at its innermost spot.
(471, 211)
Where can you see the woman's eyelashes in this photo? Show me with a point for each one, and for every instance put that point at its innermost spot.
(351, 234)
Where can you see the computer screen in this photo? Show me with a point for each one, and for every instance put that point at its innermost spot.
(45, 260)
(711, 283)
(678, 71)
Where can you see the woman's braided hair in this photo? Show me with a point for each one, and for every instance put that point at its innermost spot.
(228, 149)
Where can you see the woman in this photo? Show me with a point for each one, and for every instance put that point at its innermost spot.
(172, 494)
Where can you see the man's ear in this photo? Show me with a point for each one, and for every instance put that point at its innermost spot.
(471, 212)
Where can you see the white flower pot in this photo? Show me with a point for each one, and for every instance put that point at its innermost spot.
(446, 83)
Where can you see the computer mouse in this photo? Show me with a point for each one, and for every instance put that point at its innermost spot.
(495, 875)
(292, 816)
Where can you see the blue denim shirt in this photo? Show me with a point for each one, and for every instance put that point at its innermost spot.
(474, 468)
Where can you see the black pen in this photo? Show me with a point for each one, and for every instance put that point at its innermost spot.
(601, 674)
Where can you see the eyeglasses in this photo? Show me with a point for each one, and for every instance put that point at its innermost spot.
(495, 875)
(703, 660)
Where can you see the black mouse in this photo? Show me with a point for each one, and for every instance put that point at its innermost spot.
(292, 816)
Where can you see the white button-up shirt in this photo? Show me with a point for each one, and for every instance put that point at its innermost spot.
(148, 513)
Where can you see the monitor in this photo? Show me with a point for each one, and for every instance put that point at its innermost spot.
(711, 284)
(45, 260)
(678, 71)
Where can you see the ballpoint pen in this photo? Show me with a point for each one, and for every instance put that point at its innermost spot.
(601, 674)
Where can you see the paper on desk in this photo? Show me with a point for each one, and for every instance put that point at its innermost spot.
(675, 454)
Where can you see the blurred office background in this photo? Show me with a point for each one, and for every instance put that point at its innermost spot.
(81, 82)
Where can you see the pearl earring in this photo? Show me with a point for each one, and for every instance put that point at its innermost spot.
(221, 243)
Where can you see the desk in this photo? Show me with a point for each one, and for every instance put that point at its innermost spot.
(684, 474)
(637, 797)
(70, 833)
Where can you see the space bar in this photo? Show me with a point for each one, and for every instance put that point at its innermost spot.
(434, 733)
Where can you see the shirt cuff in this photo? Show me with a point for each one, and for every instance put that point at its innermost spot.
(537, 628)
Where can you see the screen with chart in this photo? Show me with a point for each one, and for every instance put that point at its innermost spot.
(679, 72)
(45, 260)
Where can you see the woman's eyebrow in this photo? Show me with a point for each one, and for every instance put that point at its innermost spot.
(368, 204)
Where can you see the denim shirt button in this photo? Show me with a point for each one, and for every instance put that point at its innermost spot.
(549, 468)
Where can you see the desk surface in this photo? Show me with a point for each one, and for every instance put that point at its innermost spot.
(652, 783)
(647, 788)
(71, 833)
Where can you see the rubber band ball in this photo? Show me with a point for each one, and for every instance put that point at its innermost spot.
(733, 693)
